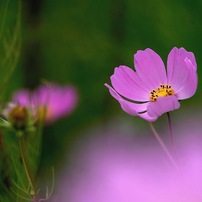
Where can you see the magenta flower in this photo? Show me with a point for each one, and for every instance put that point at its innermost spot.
(50, 102)
(152, 90)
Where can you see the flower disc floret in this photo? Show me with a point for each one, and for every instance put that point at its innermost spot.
(162, 91)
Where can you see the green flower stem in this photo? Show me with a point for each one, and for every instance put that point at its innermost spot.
(163, 146)
(26, 167)
(172, 137)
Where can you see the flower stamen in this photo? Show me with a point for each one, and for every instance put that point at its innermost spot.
(162, 91)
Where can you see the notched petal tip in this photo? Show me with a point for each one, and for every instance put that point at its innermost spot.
(181, 67)
(190, 63)
(150, 68)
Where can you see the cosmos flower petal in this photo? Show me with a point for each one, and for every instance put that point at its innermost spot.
(150, 68)
(162, 105)
(22, 97)
(68, 101)
(126, 82)
(185, 54)
(147, 116)
(189, 86)
(181, 69)
(128, 107)
(59, 100)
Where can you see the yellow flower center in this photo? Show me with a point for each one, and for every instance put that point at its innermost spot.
(162, 91)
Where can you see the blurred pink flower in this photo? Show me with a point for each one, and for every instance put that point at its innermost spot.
(152, 91)
(49, 102)
(133, 171)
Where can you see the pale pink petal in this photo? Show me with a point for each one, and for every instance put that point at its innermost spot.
(147, 117)
(185, 54)
(59, 100)
(132, 108)
(22, 97)
(182, 72)
(45, 93)
(189, 86)
(64, 102)
(150, 68)
(128, 107)
(126, 82)
(162, 105)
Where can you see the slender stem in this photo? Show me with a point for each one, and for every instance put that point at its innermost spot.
(172, 137)
(171, 130)
(163, 146)
(26, 167)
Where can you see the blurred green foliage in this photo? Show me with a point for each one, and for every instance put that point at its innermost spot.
(80, 42)
(10, 37)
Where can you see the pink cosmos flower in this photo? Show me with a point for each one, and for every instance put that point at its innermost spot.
(153, 90)
(50, 101)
